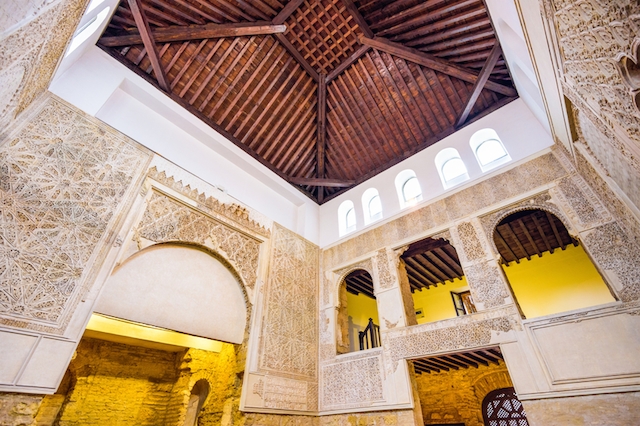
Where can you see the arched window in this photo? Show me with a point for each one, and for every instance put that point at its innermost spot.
(488, 149)
(346, 218)
(502, 407)
(408, 188)
(371, 205)
(85, 31)
(451, 167)
(357, 322)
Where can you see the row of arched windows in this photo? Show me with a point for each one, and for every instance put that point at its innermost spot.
(487, 148)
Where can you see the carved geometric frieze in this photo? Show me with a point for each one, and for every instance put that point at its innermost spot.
(285, 394)
(580, 202)
(386, 278)
(64, 179)
(166, 219)
(468, 243)
(290, 327)
(329, 286)
(487, 284)
(352, 383)
(466, 333)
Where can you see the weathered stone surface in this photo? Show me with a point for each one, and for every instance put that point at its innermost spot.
(18, 409)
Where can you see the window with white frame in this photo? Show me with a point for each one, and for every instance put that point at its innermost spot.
(451, 168)
(371, 205)
(346, 218)
(85, 31)
(408, 188)
(488, 149)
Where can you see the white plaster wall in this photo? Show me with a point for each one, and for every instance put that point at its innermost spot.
(521, 133)
(178, 288)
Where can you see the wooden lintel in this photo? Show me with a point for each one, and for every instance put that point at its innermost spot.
(334, 183)
(348, 62)
(358, 18)
(424, 246)
(287, 11)
(483, 77)
(435, 63)
(196, 32)
(298, 56)
(149, 43)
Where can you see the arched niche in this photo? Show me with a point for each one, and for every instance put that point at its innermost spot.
(199, 393)
(547, 268)
(178, 287)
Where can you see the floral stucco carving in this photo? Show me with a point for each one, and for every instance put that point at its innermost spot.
(352, 383)
(64, 179)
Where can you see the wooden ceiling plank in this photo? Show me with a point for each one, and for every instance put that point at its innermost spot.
(201, 67)
(430, 108)
(445, 45)
(442, 24)
(196, 32)
(453, 263)
(439, 266)
(467, 361)
(149, 43)
(439, 360)
(260, 85)
(454, 360)
(437, 257)
(238, 77)
(267, 91)
(428, 117)
(289, 101)
(396, 114)
(555, 230)
(422, 19)
(434, 362)
(424, 246)
(370, 86)
(418, 266)
(434, 83)
(295, 119)
(474, 357)
(419, 134)
(426, 365)
(309, 143)
(335, 151)
(434, 63)
(550, 248)
(528, 235)
(176, 11)
(420, 280)
(260, 13)
(213, 8)
(507, 228)
(188, 63)
(375, 11)
(484, 47)
(502, 241)
(151, 11)
(449, 34)
(454, 91)
(490, 358)
(344, 142)
(357, 54)
(321, 138)
(390, 20)
(495, 352)
(483, 77)
(198, 11)
(212, 72)
(294, 147)
(361, 121)
(267, 109)
(176, 56)
(362, 148)
(357, 16)
(298, 56)
(427, 263)
(252, 77)
(161, 53)
(284, 14)
(223, 78)
(369, 117)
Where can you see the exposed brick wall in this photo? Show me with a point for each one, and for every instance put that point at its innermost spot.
(456, 396)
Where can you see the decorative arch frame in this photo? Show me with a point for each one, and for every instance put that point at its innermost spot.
(366, 265)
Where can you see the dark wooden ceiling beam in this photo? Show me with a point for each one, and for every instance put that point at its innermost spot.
(554, 228)
(509, 231)
(195, 32)
(525, 230)
(467, 361)
(298, 56)
(480, 83)
(358, 18)
(424, 246)
(347, 62)
(287, 11)
(149, 43)
(434, 63)
(500, 238)
(333, 183)
(549, 247)
(322, 133)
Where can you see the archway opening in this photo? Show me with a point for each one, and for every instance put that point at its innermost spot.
(439, 289)
(548, 270)
(358, 322)
(199, 393)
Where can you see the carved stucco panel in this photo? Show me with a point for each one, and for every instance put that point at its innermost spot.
(386, 277)
(487, 284)
(290, 323)
(580, 203)
(166, 219)
(352, 383)
(468, 242)
(63, 180)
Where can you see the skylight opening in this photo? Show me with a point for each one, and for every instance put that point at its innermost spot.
(488, 149)
(451, 168)
(84, 32)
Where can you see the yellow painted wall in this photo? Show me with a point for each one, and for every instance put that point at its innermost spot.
(360, 308)
(436, 302)
(558, 282)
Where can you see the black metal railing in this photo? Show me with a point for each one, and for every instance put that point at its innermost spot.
(370, 337)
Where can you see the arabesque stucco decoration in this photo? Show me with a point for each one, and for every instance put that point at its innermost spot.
(166, 219)
(64, 178)
(352, 383)
(290, 323)
(386, 278)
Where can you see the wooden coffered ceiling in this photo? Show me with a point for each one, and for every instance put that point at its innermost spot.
(326, 93)
(459, 360)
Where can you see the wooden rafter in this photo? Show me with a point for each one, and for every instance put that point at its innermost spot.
(298, 56)
(480, 83)
(287, 11)
(321, 136)
(357, 16)
(149, 43)
(195, 32)
(433, 62)
(329, 183)
(347, 62)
